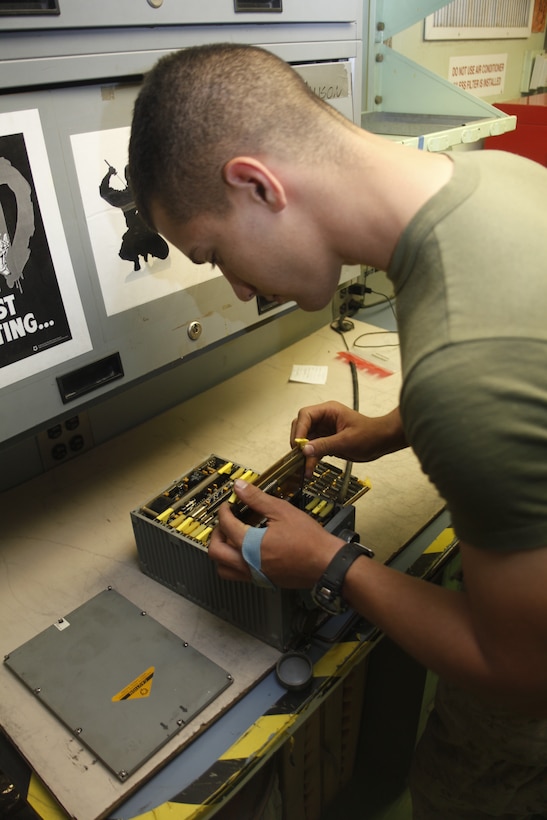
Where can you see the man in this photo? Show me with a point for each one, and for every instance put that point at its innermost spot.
(238, 164)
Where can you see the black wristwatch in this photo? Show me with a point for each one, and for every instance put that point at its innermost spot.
(327, 592)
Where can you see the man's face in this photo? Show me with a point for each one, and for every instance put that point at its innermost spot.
(259, 253)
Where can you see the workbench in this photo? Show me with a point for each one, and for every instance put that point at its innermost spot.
(67, 536)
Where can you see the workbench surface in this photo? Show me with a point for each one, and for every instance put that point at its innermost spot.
(67, 536)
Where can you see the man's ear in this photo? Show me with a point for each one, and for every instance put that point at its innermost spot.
(248, 173)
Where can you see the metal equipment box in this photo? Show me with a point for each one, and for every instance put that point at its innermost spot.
(172, 531)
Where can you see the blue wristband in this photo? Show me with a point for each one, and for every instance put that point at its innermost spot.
(250, 550)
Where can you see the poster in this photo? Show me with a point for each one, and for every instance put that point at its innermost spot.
(134, 265)
(42, 321)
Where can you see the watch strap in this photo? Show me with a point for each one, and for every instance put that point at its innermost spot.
(327, 592)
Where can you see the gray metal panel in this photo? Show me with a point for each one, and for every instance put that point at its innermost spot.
(30, 58)
(118, 679)
(85, 14)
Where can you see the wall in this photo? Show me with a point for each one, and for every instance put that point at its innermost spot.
(435, 55)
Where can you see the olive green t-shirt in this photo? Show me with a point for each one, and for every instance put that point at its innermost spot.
(470, 277)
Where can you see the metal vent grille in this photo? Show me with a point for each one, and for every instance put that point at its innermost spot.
(474, 19)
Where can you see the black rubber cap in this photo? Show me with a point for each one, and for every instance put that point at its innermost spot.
(294, 671)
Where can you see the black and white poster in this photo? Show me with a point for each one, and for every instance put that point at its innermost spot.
(134, 265)
(41, 316)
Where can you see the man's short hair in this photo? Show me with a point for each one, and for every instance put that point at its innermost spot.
(204, 105)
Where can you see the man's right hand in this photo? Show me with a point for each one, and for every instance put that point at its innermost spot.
(335, 430)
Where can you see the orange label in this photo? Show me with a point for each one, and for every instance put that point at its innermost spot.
(139, 688)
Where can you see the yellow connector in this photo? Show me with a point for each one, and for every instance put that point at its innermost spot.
(186, 525)
(316, 510)
(203, 536)
(165, 514)
(249, 477)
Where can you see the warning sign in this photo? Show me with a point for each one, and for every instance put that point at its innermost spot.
(481, 75)
(139, 688)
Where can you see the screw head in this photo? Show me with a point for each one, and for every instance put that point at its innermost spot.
(194, 330)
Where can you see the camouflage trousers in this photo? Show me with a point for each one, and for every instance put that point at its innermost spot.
(477, 763)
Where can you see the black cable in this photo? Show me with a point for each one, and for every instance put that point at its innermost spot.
(355, 386)
(389, 301)
(337, 326)
(374, 333)
(386, 299)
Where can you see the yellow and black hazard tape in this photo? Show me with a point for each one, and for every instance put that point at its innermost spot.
(438, 553)
(265, 736)
(268, 733)
(253, 748)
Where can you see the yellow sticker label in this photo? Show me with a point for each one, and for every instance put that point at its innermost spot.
(139, 688)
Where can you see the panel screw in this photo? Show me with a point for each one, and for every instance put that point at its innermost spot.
(37, 690)
(194, 330)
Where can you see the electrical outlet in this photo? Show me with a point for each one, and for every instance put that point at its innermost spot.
(341, 300)
(64, 440)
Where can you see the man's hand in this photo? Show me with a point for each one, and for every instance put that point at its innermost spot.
(295, 549)
(335, 430)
